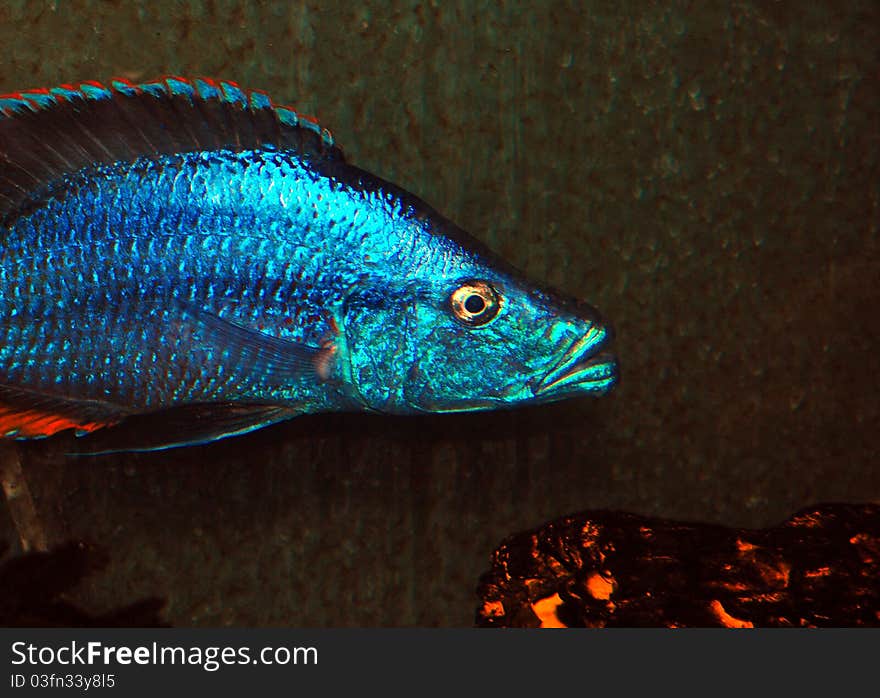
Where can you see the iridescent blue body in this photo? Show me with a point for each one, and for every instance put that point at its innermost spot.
(250, 281)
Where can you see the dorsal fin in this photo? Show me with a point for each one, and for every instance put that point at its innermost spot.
(47, 133)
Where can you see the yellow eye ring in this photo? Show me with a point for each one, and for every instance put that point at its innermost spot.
(475, 303)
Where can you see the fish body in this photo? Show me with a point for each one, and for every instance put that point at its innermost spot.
(184, 260)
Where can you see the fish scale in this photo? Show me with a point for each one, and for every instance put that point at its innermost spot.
(185, 260)
(143, 269)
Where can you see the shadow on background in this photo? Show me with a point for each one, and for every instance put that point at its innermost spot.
(33, 587)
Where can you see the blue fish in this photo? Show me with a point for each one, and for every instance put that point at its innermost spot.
(184, 260)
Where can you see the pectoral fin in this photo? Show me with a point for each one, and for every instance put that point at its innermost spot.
(265, 356)
(258, 359)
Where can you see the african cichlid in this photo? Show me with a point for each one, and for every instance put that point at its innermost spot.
(184, 260)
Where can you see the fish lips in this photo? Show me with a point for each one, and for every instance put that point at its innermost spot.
(587, 365)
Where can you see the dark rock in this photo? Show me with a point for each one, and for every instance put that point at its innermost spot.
(603, 569)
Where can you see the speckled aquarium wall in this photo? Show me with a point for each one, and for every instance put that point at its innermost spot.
(708, 174)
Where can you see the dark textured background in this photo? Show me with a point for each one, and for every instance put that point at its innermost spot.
(708, 176)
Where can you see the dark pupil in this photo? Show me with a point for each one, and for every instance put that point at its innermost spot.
(474, 304)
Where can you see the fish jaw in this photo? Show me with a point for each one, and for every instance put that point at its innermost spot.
(586, 366)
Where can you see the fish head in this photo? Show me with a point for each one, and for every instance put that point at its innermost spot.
(477, 341)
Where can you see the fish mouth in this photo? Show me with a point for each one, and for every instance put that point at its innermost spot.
(586, 366)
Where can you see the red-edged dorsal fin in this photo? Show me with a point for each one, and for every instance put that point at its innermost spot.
(27, 414)
(47, 133)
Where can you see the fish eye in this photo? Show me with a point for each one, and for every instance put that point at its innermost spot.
(475, 303)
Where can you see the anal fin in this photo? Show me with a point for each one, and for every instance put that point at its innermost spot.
(184, 425)
(29, 414)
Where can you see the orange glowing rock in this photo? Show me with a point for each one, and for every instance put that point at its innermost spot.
(546, 609)
(727, 620)
(493, 609)
(600, 587)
